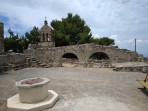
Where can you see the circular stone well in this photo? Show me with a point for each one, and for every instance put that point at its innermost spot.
(32, 89)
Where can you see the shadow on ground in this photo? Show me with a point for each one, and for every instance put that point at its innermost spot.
(145, 91)
(3, 73)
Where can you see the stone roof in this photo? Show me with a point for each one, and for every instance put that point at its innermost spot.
(45, 27)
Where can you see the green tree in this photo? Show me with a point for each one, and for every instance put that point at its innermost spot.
(103, 41)
(70, 31)
(12, 42)
(24, 42)
(33, 35)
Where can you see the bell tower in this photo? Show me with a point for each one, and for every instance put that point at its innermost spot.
(1, 37)
(45, 35)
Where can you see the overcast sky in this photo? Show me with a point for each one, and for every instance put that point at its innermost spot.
(122, 20)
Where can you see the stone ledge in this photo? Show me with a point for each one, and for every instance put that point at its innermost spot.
(130, 67)
(13, 103)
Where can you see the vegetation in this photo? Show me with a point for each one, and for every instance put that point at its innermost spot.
(71, 30)
(104, 41)
(14, 42)
(33, 36)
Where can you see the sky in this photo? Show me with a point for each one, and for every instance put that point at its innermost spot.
(121, 20)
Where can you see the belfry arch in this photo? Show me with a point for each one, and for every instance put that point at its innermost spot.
(45, 36)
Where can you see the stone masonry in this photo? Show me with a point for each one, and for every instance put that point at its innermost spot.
(83, 52)
(13, 61)
(46, 39)
(45, 54)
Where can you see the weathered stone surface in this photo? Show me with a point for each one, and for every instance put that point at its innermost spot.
(35, 92)
(85, 89)
(46, 39)
(15, 105)
(131, 67)
(13, 61)
(38, 56)
(83, 53)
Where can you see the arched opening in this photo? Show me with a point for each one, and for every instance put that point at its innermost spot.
(69, 60)
(47, 38)
(100, 60)
(99, 56)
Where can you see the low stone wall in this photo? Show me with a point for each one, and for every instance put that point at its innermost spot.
(3, 59)
(130, 67)
(12, 61)
(94, 64)
(13, 58)
(83, 53)
(47, 57)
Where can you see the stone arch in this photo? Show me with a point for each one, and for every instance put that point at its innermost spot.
(99, 56)
(69, 59)
(69, 55)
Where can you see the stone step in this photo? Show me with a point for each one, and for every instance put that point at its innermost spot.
(46, 67)
(25, 65)
(15, 69)
(6, 68)
(43, 65)
(39, 62)
(34, 62)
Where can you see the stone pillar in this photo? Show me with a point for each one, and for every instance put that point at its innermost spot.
(1, 37)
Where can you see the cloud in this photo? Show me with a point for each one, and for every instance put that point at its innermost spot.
(142, 44)
(142, 41)
(124, 20)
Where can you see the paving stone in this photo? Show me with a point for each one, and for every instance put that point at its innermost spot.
(84, 89)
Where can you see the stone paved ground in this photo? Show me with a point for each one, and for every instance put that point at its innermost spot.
(130, 64)
(85, 89)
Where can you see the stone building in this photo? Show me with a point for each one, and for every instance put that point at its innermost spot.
(1, 37)
(45, 36)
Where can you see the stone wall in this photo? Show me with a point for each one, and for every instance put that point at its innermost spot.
(130, 67)
(12, 61)
(83, 53)
(12, 58)
(47, 57)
